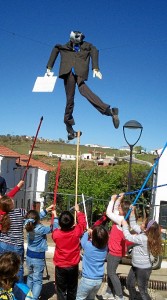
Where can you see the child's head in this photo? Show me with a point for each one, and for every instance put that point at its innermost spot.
(32, 219)
(9, 267)
(123, 207)
(6, 205)
(66, 220)
(99, 237)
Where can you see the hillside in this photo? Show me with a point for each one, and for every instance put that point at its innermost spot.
(23, 145)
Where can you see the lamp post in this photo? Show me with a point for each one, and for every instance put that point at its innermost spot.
(132, 124)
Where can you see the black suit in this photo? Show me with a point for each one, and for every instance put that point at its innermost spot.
(74, 69)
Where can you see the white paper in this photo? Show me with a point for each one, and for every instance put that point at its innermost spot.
(45, 84)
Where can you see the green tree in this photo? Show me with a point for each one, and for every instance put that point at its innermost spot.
(97, 182)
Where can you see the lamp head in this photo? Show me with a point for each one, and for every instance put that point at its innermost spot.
(132, 124)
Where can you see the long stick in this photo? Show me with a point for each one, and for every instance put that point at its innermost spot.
(77, 159)
(147, 178)
(32, 148)
(56, 185)
(84, 206)
(146, 189)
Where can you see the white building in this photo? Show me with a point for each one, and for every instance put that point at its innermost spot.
(12, 168)
(86, 156)
(159, 195)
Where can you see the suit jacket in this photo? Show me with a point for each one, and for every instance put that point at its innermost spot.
(77, 60)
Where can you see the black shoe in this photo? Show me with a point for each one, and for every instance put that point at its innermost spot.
(115, 119)
(73, 135)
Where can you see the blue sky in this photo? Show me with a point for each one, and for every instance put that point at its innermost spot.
(131, 36)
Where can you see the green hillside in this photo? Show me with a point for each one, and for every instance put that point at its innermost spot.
(23, 145)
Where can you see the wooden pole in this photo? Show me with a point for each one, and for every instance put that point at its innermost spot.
(56, 186)
(77, 159)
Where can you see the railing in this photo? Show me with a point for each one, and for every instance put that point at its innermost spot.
(96, 207)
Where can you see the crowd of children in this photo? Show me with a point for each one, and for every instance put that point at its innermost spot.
(98, 244)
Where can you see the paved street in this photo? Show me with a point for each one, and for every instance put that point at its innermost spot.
(48, 290)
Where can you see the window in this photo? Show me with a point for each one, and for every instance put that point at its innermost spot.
(163, 214)
(30, 180)
(28, 205)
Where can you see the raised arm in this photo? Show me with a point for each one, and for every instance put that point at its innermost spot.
(17, 188)
(112, 213)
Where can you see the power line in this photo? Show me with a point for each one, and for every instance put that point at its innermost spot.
(146, 42)
(24, 37)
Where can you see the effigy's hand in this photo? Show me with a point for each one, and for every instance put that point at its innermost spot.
(49, 73)
(97, 73)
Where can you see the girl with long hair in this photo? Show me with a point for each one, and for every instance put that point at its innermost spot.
(147, 243)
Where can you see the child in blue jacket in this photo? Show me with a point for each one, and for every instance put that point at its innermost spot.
(94, 243)
(37, 246)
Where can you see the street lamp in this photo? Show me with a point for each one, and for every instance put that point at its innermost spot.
(132, 124)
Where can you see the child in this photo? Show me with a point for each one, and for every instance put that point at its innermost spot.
(67, 253)
(147, 243)
(11, 226)
(37, 246)
(116, 243)
(95, 252)
(9, 287)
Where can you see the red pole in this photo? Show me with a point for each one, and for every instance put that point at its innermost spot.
(56, 185)
(32, 148)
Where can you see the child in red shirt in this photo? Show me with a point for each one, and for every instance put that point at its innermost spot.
(67, 253)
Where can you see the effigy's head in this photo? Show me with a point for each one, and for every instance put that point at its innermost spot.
(76, 37)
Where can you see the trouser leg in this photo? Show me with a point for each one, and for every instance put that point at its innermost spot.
(67, 282)
(112, 264)
(92, 98)
(72, 285)
(142, 276)
(69, 84)
(131, 282)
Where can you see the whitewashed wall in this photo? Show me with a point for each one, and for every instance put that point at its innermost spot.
(160, 193)
(36, 181)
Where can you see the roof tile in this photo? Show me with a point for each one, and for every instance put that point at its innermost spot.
(22, 160)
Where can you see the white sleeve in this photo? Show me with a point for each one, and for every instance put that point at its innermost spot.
(112, 215)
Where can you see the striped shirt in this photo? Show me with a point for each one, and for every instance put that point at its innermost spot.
(15, 235)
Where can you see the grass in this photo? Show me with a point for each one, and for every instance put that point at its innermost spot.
(22, 146)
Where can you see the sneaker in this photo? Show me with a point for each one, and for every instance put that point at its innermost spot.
(108, 296)
(115, 119)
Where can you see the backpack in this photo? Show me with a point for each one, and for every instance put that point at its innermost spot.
(22, 292)
(6, 295)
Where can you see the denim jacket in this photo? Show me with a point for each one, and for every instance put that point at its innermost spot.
(37, 241)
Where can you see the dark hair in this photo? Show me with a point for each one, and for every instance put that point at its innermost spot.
(32, 214)
(5, 206)
(66, 220)
(125, 204)
(9, 267)
(99, 237)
